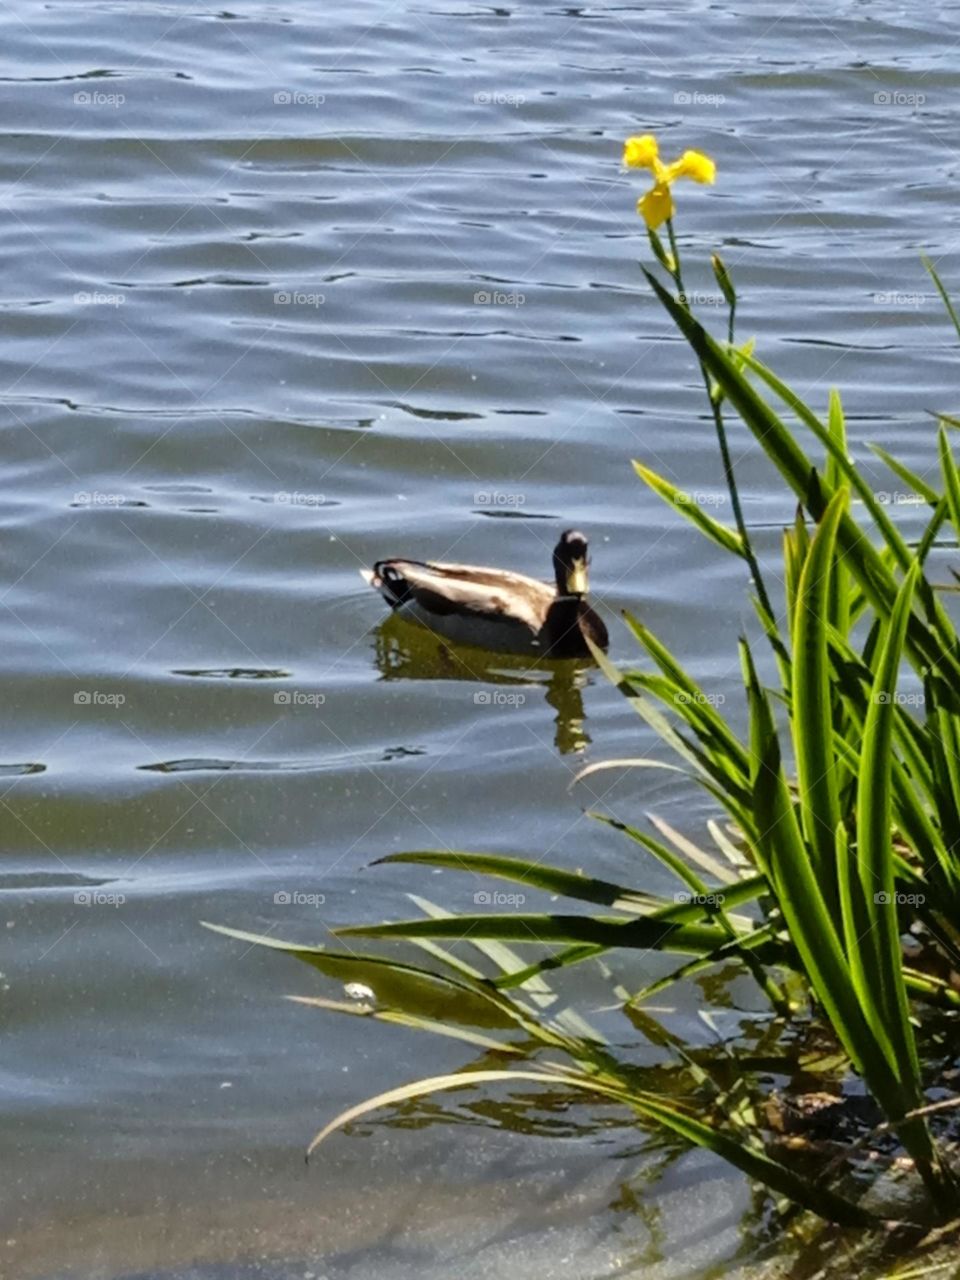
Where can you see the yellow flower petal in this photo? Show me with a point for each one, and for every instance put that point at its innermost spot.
(692, 164)
(641, 152)
(656, 206)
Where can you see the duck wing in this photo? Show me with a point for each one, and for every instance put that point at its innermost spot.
(442, 589)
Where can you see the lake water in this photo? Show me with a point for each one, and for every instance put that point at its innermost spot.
(289, 288)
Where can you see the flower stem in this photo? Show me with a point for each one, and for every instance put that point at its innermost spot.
(726, 461)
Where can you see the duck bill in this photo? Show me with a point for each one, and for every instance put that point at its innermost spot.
(577, 582)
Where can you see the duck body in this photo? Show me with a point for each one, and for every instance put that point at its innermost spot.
(496, 608)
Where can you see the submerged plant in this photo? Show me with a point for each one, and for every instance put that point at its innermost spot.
(820, 868)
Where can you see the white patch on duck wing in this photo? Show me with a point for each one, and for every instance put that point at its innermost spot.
(501, 599)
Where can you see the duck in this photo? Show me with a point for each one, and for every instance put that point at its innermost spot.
(497, 608)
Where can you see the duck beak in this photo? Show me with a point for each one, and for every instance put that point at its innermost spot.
(577, 582)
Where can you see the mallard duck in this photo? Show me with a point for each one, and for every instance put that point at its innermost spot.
(495, 608)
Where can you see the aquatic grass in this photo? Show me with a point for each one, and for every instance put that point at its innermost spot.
(840, 900)
(585, 1067)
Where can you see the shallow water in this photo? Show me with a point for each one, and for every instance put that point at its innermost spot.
(286, 290)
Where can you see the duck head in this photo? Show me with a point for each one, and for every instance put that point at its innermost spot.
(570, 564)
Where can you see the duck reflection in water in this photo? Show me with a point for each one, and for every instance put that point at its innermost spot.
(408, 652)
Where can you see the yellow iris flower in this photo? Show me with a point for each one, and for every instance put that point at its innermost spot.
(643, 153)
